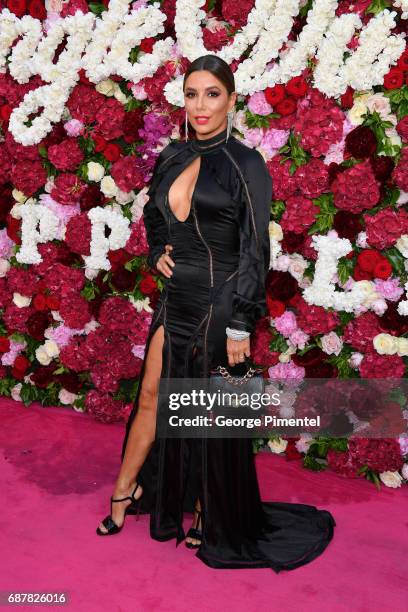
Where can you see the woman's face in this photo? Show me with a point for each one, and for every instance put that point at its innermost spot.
(207, 103)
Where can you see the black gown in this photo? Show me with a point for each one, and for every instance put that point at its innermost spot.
(221, 254)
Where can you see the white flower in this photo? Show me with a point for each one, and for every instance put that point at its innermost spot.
(51, 348)
(275, 231)
(355, 360)
(385, 344)
(66, 397)
(391, 479)
(304, 442)
(106, 87)
(402, 245)
(402, 347)
(42, 356)
(15, 392)
(404, 471)
(4, 267)
(278, 446)
(21, 300)
(19, 196)
(109, 187)
(95, 171)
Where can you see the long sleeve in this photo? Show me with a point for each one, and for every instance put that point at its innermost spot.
(249, 299)
(155, 223)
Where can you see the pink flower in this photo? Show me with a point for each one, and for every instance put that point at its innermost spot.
(299, 339)
(258, 105)
(332, 344)
(287, 372)
(274, 139)
(74, 127)
(286, 323)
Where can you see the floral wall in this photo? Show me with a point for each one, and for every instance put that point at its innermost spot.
(90, 92)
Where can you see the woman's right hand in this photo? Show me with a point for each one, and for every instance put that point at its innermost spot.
(165, 263)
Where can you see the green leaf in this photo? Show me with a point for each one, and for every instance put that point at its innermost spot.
(293, 151)
(325, 217)
(377, 6)
(311, 463)
(97, 8)
(277, 209)
(396, 260)
(259, 121)
(345, 268)
(279, 344)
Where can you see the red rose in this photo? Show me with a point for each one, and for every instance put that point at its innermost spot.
(37, 10)
(286, 107)
(4, 344)
(5, 112)
(383, 269)
(275, 307)
(394, 79)
(368, 259)
(403, 61)
(281, 285)
(382, 166)
(297, 87)
(40, 302)
(361, 142)
(360, 274)
(148, 285)
(99, 142)
(21, 363)
(146, 45)
(347, 225)
(274, 95)
(112, 152)
(18, 7)
(52, 302)
(347, 99)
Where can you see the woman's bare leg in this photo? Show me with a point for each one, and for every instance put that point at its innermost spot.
(142, 431)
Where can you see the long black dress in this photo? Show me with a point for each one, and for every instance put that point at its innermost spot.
(221, 254)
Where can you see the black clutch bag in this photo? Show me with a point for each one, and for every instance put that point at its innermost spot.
(251, 382)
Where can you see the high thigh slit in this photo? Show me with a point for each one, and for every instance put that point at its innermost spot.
(221, 253)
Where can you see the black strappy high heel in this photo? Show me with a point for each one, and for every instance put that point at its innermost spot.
(133, 508)
(195, 533)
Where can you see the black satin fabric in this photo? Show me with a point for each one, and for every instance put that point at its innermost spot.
(221, 254)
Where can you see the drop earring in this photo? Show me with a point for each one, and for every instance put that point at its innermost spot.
(230, 120)
(186, 128)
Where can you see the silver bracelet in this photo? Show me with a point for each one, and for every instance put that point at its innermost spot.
(236, 334)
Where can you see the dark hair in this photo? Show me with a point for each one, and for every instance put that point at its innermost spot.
(217, 66)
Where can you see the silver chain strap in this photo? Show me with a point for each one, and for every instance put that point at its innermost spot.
(233, 379)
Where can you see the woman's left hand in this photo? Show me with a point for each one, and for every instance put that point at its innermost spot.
(237, 349)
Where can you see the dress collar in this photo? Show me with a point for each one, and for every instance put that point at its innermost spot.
(210, 143)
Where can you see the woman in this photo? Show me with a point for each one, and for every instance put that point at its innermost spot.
(207, 224)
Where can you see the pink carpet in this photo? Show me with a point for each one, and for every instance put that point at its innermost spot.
(57, 470)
